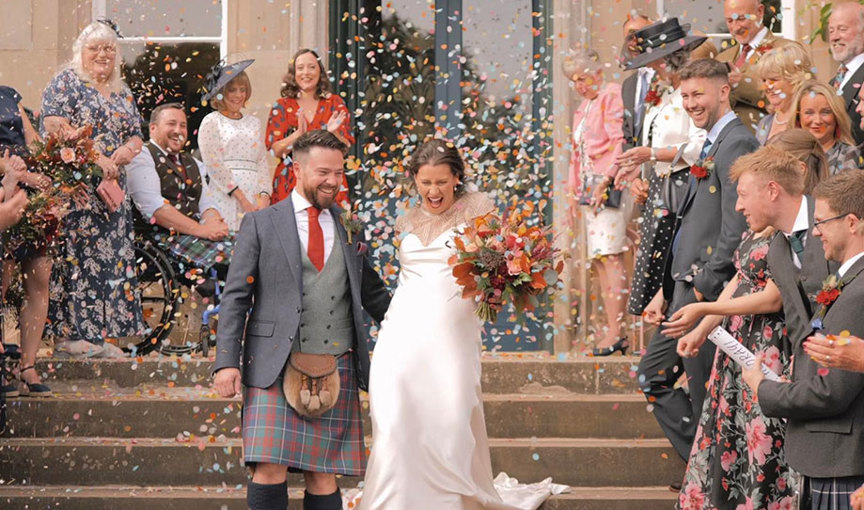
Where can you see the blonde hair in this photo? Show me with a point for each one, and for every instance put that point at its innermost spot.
(790, 61)
(217, 102)
(96, 31)
(771, 164)
(843, 124)
(804, 146)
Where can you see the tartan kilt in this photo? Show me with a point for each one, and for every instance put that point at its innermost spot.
(830, 493)
(196, 252)
(332, 443)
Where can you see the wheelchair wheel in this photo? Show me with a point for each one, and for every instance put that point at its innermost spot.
(159, 295)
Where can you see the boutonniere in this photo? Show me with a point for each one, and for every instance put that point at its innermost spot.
(764, 48)
(655, 91)
(703, 168)
(831, 288)
(351, 222)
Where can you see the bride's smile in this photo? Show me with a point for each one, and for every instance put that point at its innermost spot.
(436, 185)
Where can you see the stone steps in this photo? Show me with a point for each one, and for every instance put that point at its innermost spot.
(233, 498)
(96, 461)
(501, 373)
(82, 410)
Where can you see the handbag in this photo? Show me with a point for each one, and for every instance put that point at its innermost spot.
(311, 383)
(111, 193)
(613, 196)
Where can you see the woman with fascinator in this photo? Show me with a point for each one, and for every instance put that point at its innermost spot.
(232, 145)
(671, 143)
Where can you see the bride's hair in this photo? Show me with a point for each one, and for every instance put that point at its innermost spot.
(438, 152)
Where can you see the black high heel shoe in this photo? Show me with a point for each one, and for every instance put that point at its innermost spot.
(34, 389)
(621, 345)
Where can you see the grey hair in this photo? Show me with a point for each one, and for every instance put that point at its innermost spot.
(584, 62)
(96, 31)
(676, 60)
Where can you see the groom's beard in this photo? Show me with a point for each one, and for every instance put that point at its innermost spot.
(320, 201)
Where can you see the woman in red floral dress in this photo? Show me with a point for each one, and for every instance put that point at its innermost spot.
(306, 104)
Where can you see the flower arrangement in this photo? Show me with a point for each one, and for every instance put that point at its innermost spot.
(351, 222)
(703, 168)
(501, 259)
(70, 163)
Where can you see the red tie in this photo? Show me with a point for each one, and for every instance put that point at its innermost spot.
(742, 57)
(315, 248)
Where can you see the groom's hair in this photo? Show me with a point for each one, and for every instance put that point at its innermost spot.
(771, 164)
(317, 138)
(843, 193)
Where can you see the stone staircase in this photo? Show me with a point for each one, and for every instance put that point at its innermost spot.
(150, 433)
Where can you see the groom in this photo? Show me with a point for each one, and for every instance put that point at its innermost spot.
(307, 287)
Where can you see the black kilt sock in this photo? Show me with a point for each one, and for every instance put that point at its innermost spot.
(326, 502)
(260, 496)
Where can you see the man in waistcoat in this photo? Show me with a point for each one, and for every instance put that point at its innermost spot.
(311, 282)
(169, 189)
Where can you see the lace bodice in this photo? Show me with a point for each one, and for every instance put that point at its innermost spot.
(427, 226)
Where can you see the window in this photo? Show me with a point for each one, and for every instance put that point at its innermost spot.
(167, 49)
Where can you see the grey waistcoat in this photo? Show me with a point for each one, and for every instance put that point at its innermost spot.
(326, 323)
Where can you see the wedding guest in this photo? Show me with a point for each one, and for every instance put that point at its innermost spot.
(94, 294)
(824, 408)
(16, 135)
(737, 457)
(665, 47)
(752, 41)
(781, 70)
(11, 208)
(13, 200)
(702, 251)
(306, 105)
(804, 146)
(635, 86)
(597, 142)
(846, 35)
(232, 146)
(172, 197)
(818, 109)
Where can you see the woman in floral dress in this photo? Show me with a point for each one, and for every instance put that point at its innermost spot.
(93, 289)
(737, 460)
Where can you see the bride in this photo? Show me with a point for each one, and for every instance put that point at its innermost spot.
(430, 448)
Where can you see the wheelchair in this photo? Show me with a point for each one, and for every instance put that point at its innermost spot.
(164, 285)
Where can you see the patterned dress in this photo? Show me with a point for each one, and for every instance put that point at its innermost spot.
(284, 121)
(737, 460)
(94, 292)
(842, 156)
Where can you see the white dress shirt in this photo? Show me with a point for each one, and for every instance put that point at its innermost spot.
(802, 222)
(848, 264)
(757, 41)
(851, 68)
(146, 188)
(301, 217)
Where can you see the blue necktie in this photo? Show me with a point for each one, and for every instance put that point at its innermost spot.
(691, 183)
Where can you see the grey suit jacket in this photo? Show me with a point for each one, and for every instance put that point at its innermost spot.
(710, 227)
(825, 431)
(799, 286)
(266, 275)
(850, 96)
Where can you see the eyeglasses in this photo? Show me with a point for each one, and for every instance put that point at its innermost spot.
(109, 50)
(819, 223)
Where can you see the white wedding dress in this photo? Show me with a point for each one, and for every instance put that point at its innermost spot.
(430, 449)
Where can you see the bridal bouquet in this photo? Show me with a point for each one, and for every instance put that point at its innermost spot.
(501, 259)
(70, 162)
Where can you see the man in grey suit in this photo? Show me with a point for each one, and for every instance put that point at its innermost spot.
(307, 283)
(825, 407)
(701, 259)
(635, 86)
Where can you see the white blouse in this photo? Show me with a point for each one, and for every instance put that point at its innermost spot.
(235, 155)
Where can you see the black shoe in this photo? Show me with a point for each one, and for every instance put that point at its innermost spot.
(620, 345)
(675, 487)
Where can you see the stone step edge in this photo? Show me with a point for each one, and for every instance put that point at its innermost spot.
(223, 442)
(166, 395)
(216, 492)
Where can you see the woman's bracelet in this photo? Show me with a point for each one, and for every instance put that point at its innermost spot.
(264, 193)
